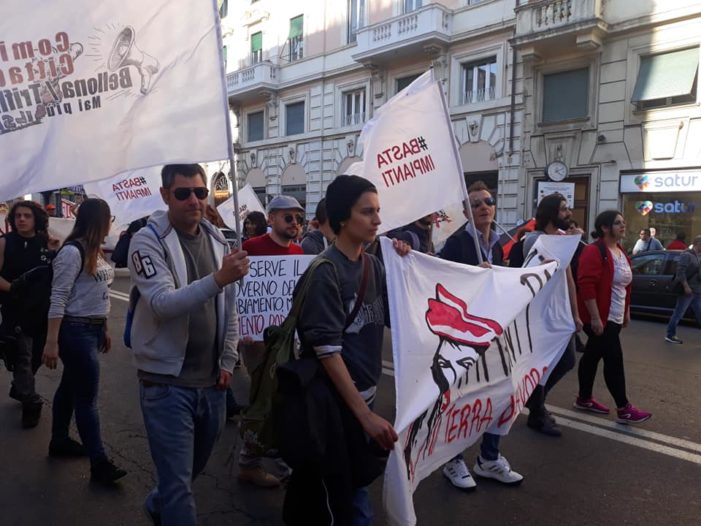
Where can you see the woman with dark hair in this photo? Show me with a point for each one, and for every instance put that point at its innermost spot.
(604, 277)
(80, 305)
(25, 284)
(254, 225)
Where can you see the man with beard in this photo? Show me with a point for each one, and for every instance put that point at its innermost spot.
(553, 217)
(285, 216)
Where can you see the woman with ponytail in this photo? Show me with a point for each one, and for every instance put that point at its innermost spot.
(604, 278)
(77, 332)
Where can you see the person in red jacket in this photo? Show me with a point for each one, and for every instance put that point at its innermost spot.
(604, 278)
(679, 243)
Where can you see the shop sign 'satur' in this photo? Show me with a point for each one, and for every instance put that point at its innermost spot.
(682, 181)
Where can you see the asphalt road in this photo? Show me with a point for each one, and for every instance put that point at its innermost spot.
(597, 473)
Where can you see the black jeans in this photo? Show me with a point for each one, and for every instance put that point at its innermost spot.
(536, 402)
(608, 347)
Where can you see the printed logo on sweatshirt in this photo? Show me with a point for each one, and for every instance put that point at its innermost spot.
(143, 265)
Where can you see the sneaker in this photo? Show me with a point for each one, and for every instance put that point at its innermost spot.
(498, 469)
(632, 415)
(66, 447)
(258, 477)
(591, 405)
(31, 412)
(459, 476)
(104, 472)
(673, 339)
(544, 423)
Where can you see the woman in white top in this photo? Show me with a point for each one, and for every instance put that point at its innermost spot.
(80, 305)
(603, 278)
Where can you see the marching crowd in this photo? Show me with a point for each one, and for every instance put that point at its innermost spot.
(182, 327)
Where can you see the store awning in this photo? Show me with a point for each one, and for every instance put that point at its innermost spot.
(666, 75)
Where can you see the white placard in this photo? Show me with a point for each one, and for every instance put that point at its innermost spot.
(248, 202)
(549, 187)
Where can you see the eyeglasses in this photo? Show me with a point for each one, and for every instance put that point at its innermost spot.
(289, 218)
(181, 194)
(489, 201)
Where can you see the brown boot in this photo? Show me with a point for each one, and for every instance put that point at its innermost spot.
(258, 477)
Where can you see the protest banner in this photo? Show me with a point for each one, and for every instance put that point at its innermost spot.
(447, 221)
(415, 167)
(264, 297)
(248, 202)
(469, 346)
(131, 196)
(92, 89)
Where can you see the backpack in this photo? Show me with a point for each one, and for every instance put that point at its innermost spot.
(260, 426)
(120, 254)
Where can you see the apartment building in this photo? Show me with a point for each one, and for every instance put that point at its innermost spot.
(303, 78)
(612, 108)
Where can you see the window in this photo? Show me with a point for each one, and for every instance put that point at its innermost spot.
(667, 79)
(256, 126)
(649, 265)
(479, 80)
(294, 118)
(405, 81)
(353, 107)
(566, 95)
(356, 18)
(296, 39)
(256, 47)
(412, 5)
(224, 9)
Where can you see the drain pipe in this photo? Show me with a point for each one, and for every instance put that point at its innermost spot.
(513, 98)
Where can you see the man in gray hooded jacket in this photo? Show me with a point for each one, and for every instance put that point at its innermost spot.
(184, 337)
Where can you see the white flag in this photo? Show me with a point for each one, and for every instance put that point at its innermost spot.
(131, 196)
(248, 202)
(447, 221)
(409, 154)
(469, 346)
(92, 89)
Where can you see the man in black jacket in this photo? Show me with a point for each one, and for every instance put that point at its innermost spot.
(460, 248)
(24, 297)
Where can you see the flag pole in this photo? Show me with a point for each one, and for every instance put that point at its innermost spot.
(229, 137)
(505, 231)
(466, 199)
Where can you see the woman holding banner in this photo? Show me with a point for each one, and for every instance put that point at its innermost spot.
(77, 332)
(342, 326)
(604, 278)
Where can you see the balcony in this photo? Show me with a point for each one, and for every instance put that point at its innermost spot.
(251, 82)
(404, 35)
(546, 26)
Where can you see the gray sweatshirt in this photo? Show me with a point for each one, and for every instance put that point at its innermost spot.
(76, 293)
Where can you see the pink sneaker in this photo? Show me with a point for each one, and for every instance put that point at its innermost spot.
(632, 415)
(590, 405)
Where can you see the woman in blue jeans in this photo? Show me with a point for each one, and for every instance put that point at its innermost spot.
(77, 332)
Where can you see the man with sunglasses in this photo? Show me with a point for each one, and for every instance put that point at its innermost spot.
(460, 247)
(184, 335)
(285, 217)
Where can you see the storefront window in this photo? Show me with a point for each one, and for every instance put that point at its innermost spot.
(668, 213)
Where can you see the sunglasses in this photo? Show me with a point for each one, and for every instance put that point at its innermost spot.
(289, 218)
(489, 201)
(181, 194)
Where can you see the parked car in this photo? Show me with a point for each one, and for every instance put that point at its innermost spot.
(653, 273)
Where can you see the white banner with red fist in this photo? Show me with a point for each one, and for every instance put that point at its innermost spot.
(92, 89)
(410, 155)
(469, 345)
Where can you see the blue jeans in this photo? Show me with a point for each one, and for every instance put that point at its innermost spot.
(182, 425)
(683, 302)
(362, 509)
(78, 346)
(489, 448)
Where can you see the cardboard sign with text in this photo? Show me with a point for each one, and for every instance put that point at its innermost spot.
(264, 298)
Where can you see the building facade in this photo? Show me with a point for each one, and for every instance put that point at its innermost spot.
(602, 94)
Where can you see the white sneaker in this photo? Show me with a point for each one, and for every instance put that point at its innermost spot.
(459, 476)
(498, 469)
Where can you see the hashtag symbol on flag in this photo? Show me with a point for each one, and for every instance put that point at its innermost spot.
(422, 143)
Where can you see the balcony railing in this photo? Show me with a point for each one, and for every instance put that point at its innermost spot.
(534, 18)
(481, 95)
(431, 23)
(258, 76)
(351, 119)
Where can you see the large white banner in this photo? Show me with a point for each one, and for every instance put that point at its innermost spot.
(264, 297)
(248, 202)
(131, 196)
(469, 345)
(409, 154)
(91, 89)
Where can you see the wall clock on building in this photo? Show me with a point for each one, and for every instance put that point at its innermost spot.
(557, 171)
